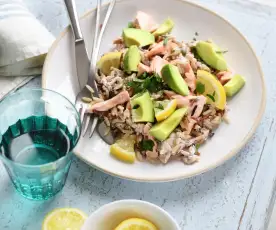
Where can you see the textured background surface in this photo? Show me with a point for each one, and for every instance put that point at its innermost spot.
(236, 195)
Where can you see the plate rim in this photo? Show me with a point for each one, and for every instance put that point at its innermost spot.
(214, 165)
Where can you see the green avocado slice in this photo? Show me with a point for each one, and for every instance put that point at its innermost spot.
(142, 108)
(162, 130)
(173, 78)
(131, 59)
(234, 85)
(164, 28)
(210, 53)
(137, 37)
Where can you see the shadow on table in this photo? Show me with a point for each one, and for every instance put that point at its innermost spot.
(86, 180)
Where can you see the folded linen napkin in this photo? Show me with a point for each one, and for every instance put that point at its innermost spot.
(24, 42)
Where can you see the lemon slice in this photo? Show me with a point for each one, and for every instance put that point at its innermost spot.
(64, 219)
(123, 149)
(109, 60)
(163, 109)
(137, 224)
(212, 89)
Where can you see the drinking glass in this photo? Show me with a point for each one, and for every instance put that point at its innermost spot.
(39, 129)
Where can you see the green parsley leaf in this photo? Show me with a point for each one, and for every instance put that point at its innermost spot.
(136, 106)
(151, 83)
(159, 106)
(165, 42)
(144, 75)
(197, 146)
(214, 94)
(136, 86)
(146, 145)
(200, 88)
(130, 25)
(211, 97)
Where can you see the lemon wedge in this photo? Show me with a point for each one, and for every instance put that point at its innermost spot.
(163, 109)
(123, 149)
(212, 89)
(109, 60)
(63, 219)
(137, 224)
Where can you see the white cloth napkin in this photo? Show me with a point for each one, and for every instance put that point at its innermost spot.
(24, 42)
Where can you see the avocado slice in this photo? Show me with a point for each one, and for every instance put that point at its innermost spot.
(164, 28)
(137, 37)
(234, 85)
(173, 78)
(162, 130)
(210, 53)
(111, 59)
(131, 59)
(142, 108)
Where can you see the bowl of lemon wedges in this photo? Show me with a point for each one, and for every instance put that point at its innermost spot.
(130, 214)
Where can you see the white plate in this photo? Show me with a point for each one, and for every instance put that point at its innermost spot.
(246, 108)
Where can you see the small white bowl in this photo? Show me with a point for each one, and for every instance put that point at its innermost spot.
(109, 216)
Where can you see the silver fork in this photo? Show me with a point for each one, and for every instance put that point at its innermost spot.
(85, 92)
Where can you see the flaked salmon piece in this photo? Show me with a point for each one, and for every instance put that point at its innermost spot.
(142, 68)
(118, 41)
(128, 106)
(169, 93)
(171, 49)
(198, 106)
(145, 22)
(224, 76)
(121, 98)
(160, 48)
(180, 64)
(190, 77)
(182, 101)
(157, 64)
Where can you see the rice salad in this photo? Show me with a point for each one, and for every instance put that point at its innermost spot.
(159, 97)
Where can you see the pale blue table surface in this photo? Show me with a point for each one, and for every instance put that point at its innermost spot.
(237, 195)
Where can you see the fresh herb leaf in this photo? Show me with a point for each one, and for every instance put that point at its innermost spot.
(165, 42)
(160, 106)
(214, 94)
(211, 97)
(146, 145)
(138, 80)
(222, 51)
(136, 106)
(130, 25)
(151, 83)
(197, 146)
(136, 86)
(200, 88)
(144, 75)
